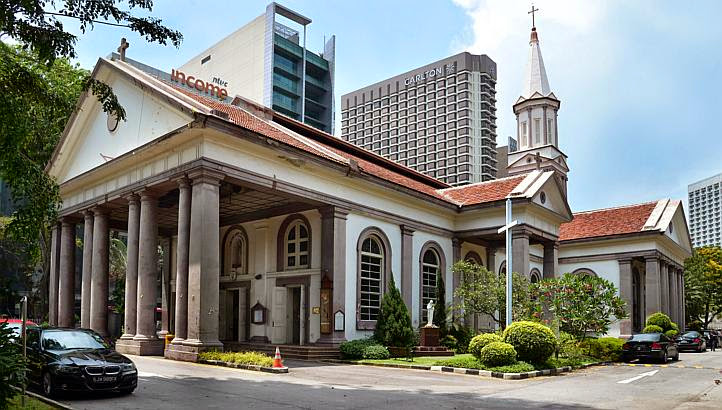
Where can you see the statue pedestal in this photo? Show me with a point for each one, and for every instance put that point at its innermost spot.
(430, 336)
(430, 343)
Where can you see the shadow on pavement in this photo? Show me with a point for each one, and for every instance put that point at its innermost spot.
(189, 392)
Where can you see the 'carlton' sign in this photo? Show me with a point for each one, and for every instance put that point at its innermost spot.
(434, 72)
(198, 84)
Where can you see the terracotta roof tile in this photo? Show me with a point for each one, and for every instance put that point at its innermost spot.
(607, 222)
(483, 192)
(368, 162)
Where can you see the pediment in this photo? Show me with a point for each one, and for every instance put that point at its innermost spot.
(88, 141)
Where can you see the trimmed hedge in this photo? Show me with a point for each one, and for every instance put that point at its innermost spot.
(671, 333)
(354, 349)
(653, 329)
(608, 349)
(533, 342)
(377, 352)
(250, 358)
(497, 354)
(478, 342)
(661, 320)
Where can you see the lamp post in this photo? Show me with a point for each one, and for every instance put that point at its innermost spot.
(507, 228)
(24, 317)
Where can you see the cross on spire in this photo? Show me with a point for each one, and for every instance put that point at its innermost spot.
(121, 49)
(533, 10)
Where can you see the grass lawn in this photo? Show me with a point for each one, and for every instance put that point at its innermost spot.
(468, 361)
(30, 404)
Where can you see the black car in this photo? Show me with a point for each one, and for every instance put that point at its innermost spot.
(692, 340)
(77, 360)
(655, 346)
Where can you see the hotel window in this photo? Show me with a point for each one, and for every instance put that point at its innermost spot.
(537, 131)
(297, 255)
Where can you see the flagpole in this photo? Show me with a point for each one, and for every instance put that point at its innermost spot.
(508, 262)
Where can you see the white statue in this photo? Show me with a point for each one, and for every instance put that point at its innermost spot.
(430, 312)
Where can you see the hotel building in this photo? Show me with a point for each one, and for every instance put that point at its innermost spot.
(705, 205)
(439, 119)
(267, 62)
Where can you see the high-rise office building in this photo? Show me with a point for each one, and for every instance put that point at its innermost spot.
(705, 206)
(439, 119)
(267, 61)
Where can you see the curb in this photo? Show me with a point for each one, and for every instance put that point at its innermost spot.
(477, 372)
(253, 367)
(49, 402)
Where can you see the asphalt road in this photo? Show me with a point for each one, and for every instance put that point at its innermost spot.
(167, 384)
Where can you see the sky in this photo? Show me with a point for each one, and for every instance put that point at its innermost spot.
(640, 82)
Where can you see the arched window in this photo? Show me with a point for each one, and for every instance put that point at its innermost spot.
(584, 272)
(371, 278)
(473, 257)
(430, 269)
(297, 245)
(535, 276)
(235, 252)
(502, 268)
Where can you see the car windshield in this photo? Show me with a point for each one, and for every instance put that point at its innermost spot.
(72, 339)
(691, 334)
(645, 337)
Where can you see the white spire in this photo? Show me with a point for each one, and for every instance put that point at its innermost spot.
(535, 80)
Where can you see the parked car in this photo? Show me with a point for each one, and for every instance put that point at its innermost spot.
(692, 340)
(656, 346)
(714, 338)
(77, 360)
(17, 325)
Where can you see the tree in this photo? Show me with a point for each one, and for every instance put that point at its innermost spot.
(12, 364)
(118, 266)
(439, 318)
(482, 291)
(393, 326)
(703, 285)
(580, 303)
(38, 91)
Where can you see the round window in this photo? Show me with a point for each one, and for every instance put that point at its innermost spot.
(112, 122)
(543, 197)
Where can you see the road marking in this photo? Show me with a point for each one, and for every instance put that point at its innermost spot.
(647, 374)
(146, 374)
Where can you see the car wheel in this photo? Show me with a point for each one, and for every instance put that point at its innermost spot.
(664, 357)
(48, 386)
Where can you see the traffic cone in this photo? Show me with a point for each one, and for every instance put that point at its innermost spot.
(277, 360)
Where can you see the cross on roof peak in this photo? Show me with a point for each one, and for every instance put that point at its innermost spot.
(121, 49)
(532, 11)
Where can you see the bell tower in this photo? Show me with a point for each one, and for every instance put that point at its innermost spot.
(536, 117)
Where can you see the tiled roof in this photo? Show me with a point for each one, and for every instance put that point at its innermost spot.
(483, 192)
(607, 222)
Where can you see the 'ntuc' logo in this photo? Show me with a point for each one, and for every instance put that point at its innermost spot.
(198, 84)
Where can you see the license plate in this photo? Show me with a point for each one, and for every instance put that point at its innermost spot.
(105, 379)
(640, 347)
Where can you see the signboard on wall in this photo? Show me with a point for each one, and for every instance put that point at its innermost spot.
(207, 87)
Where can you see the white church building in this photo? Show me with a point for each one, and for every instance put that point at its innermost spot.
(274, 232)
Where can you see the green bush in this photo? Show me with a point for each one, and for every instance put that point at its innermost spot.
(608, 349)
(463, 335)
(497, 354)
(248, 358)
(671, 333)
(12, 364)
(376, 352)
(354, 349)
(518, 367)
(653, 329)
(569, 347)
(675, 327)
(461, 361)
(533, 342)
(393, 326)
(661, 320)
(450, 342)
(479, 341)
